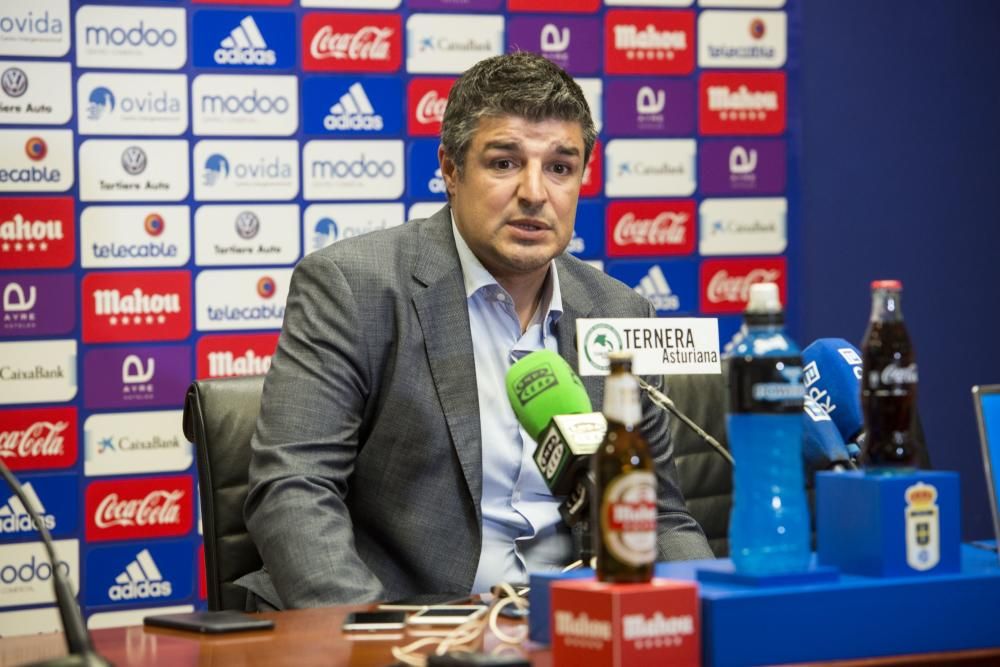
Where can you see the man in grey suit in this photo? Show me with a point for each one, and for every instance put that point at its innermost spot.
(387, 461)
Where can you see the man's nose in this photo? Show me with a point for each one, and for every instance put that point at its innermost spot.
(531, 189)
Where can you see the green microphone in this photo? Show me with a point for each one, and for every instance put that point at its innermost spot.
(542, 385)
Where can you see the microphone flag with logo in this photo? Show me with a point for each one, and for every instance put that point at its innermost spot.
(831, 374)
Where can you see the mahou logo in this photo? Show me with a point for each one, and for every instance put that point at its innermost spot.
(650, 228)
(136, 306)
(139, 508)
(593, 174)
(352, 42)
(725, 284)
(426, 100)
(239, 355)
(40, 439)
(37, 233)
(649, 42)
(752, 103)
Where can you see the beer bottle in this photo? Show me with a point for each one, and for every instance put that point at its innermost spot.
(624, 514)
(888, 383)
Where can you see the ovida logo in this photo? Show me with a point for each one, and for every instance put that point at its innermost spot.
(134, 160)
(35, 148)
(157, 508)
(742, 161)
(140, 580)
(14, 82)
(101, 101)
(14, 517)
(216, 168)
(554, 40)
(247, 225)
(324, 233)
(358, 168)
(42, 24)
(354, 111)
(266, 287)
(136, 35)
(245, 45)
(649, 101)
(40, 439)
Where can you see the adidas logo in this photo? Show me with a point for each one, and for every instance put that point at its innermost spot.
(245, 46)
(14, 516)
(654, 286)
(354, 111)
(141, 580)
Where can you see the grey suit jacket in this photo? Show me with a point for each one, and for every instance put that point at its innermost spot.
(366, 475)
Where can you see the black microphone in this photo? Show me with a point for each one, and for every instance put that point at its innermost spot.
(664, 402)
(78, 642)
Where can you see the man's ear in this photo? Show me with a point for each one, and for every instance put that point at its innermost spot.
(449, 171)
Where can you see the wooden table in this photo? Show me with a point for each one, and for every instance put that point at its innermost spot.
(311, 637)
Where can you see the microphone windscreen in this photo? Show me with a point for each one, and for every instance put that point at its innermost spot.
(541, 386)
(831, 373)
(822, 445)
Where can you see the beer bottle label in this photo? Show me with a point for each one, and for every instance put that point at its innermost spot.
(628, 517)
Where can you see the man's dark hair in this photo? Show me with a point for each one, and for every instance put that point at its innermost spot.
(519, 84)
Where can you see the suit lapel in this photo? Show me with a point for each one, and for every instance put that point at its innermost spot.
(443, 313)
(577, 304)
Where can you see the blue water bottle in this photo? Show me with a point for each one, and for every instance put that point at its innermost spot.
(769, 523)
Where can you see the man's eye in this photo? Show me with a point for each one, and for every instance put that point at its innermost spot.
(561, 169)
(503, 164)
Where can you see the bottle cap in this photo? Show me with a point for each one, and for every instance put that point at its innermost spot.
(887, 284)
(764, 298)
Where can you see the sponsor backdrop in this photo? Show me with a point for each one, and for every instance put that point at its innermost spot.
(163, 166)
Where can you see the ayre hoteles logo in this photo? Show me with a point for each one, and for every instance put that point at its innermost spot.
(137, 104)
(324, 224)
(351, 42)
(139, 574)
(746, 166)
(36, 304)
(34, 93)
(353, 169)
(136, 306)
(241, 298)
(231, 235)
(649, 106)
(37, 28)
(352, 106)
(751, 226)
(127, 443)
(238, 39)
(266, 170)
(129, 509)
(38, 438)
(426, 101)
(134, 236)
(741, 103)
(742, 39)
(240, 104)
(37, 232)
(235, 355)
(131, 37)
(54, 497)
(725, 283)
(650, 228)
(650, 167)
(451, 43)
(569, 42)
(638, 41)
(36, 160)
(37, 371)
(135, 376)
(28, 576)
(133, 169)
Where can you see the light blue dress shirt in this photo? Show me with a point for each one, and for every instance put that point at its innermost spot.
(522, 530)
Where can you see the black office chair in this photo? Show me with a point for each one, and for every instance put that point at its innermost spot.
(219, 418)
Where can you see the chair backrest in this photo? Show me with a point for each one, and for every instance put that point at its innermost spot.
(219, 418)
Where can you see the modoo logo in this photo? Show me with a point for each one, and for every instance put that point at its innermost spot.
(360, 167)
(131, 37)
(138, 34)
(252, 102)
(34, 569)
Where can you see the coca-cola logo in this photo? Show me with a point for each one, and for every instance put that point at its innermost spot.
(369, 43)
(427, 100)
(894, 375)
(724, 288)
(726, 283)
(156, 508)
(352, 42)
(139, 508)
(430, 108)
(667, 228)
(650, 228)
(39, 438)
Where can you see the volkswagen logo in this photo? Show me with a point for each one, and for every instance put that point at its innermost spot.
(134, 160)
(14, 82)
(247, 224)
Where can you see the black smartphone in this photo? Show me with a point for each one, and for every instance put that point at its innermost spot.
(210, 622)
(374, 621)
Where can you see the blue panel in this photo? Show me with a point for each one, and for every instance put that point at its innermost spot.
(55, 498)
(137, 573)
(238, 39)
(352, 106)
(588, 234)
(423, 173)
(680, 294)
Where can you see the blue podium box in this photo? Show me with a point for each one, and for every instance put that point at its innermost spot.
(889, 525)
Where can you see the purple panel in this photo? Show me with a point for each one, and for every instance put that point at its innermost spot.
(743, 167)
(136, 376)
(649, 107)
(455, 5)
(37, 304)
(572, 43)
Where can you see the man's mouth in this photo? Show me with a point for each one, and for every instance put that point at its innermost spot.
(529, 225)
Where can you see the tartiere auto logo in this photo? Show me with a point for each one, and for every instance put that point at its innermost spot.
(352, 42)
(139, 508)
(725, 284)
(750, 103)
(37, 232)
(38, 439)
(648, 42)
(136, 306)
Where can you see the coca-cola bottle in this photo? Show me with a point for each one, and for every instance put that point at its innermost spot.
(888, 383)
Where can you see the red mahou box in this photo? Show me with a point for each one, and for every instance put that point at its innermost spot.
(625, 625)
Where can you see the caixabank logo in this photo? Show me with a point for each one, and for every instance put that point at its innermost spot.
(352, 106)
(37, 232)
(639, 41)
(54, 497)
(241, 298)
(337, 169)
(37, 371)
(232, 235)
(133, 169)
(324, 224)
(139, 574)
(744, 166)
(38, 438)
(34, 93)
(246, 170)
(235, 355)
(118, 37)
(36, 160)
(451, 43)
(136, 306)
(653, 107)
(133, 509)
(743, 226)
(241, 40)
(245, 105)
(134, 104)
(26, 575)
(135, 236)
(651, 228)
(650, 167)
(671, 286)
(38, 28)
(348, 42)
(742, 103)
(426, 100)
(570, 42)
(129, 443)
(36, 304)
(725, 283)
(135, 376)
